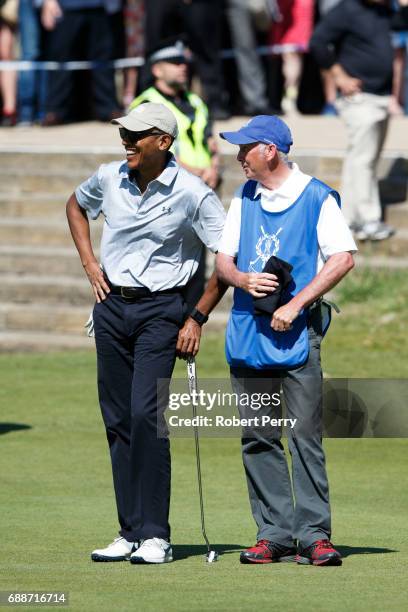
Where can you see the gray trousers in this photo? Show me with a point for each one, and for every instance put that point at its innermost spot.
(282, 514)
(251, 77)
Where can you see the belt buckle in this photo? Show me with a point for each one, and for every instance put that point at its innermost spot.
(125, 295)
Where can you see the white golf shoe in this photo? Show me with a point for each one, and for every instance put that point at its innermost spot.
(153, 550)
(119, 550)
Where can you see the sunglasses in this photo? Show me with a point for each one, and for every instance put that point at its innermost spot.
(133, 137)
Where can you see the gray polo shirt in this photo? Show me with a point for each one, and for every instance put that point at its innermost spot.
(152, 240)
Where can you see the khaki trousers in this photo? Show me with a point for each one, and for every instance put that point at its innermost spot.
(366, 119)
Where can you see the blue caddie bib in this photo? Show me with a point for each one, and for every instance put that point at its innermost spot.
(291, 235)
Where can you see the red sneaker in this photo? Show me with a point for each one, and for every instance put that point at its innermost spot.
(321, 552)
(265, 551)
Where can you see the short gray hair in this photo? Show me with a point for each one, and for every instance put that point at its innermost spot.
(282, 156)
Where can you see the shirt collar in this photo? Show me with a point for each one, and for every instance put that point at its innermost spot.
(165, 178)
(170, 172)
(285, 189)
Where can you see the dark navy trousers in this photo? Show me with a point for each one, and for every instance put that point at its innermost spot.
(136, 346)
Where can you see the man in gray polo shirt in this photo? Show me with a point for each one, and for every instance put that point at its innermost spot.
(157, 216)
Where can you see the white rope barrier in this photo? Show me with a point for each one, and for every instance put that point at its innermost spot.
(127, 62)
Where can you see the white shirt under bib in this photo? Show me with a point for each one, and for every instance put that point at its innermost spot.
(333, 233)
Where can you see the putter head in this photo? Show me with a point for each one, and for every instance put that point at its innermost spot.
(212, 556)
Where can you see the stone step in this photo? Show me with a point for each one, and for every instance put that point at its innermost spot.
(26, 232)
(24, 341)
(397, 246)
(13, 341)
(35, 289)
(62, 305)
(397, 215)
(43, 190)
(61, 184)
(393, 190)
(68, 319)
(80, 163)
(51, 207)
(46, 289)
(381, 262)
(48, 207)
(42, 261)
(232, 180)
(60, 173)
(37, 260)
(45, 297)
(56, 162)
(34, 205)
(393, 174)
(52, 260)
(58, 318)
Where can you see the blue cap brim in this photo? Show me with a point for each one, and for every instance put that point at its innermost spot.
(237, 138)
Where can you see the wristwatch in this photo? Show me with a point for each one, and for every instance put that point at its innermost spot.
(198, 317)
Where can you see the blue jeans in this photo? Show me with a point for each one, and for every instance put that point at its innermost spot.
(31, 83)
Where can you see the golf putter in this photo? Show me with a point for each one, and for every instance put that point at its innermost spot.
(212, 555)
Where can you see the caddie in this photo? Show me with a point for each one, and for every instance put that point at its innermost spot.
(283, 213)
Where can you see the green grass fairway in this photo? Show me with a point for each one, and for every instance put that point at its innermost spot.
(56, 497)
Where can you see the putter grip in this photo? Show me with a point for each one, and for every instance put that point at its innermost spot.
(191, 375)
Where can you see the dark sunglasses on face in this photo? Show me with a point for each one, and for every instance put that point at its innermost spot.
(133, 137)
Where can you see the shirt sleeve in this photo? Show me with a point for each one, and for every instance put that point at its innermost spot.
(232, 228)
(90, 194)
(333, 233)
(208, 221)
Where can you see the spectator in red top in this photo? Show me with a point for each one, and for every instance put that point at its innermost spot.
(290, 36)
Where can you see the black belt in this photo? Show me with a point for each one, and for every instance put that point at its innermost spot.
(136, 293)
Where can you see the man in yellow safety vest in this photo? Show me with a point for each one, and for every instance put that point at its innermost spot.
(195, 148)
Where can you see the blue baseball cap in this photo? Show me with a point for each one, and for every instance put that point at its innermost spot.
(268, 129)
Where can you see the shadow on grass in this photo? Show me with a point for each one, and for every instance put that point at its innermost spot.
(347, 551)
(8, 427)
(184, 551)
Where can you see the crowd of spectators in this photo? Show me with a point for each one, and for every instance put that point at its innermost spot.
(249, 56)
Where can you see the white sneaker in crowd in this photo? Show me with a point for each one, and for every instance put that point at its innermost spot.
(119, 550)
(375, 231)
(153, 550)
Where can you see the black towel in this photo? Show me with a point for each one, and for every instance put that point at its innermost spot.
(282, 269)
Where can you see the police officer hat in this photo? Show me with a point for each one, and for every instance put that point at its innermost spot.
(170, 50)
